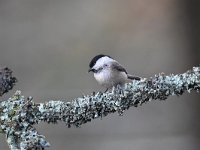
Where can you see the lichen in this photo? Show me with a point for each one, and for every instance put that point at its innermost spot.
(7, 81)
(18, 115)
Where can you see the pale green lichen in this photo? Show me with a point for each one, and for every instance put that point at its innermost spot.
(17, 121)
(18, 115)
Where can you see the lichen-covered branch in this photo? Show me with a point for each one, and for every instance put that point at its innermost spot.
(18, 115)
(7, 81)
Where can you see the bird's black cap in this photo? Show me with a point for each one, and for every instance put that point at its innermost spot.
(94, 60)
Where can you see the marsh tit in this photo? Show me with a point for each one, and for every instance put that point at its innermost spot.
(108, 72)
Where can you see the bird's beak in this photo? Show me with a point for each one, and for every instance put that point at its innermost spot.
(91, 70)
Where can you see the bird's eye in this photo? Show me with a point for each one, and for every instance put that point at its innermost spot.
(105, 65)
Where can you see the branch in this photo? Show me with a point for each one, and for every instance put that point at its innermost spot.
(18, 115)
(7, 81)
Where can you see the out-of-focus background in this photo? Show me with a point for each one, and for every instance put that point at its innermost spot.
(49, 43)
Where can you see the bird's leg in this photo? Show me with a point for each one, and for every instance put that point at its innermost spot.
(106, 90)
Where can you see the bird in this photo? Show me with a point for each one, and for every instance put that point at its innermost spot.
(108, 72)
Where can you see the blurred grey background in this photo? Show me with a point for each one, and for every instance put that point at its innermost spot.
(49, 43)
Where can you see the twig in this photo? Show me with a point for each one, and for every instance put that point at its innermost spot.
(7, 81)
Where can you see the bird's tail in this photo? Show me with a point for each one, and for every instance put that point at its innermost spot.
(131, 77)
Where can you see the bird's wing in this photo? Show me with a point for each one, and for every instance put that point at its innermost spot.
(119, 67)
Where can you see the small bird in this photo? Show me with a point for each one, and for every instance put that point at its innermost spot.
(108, 72)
